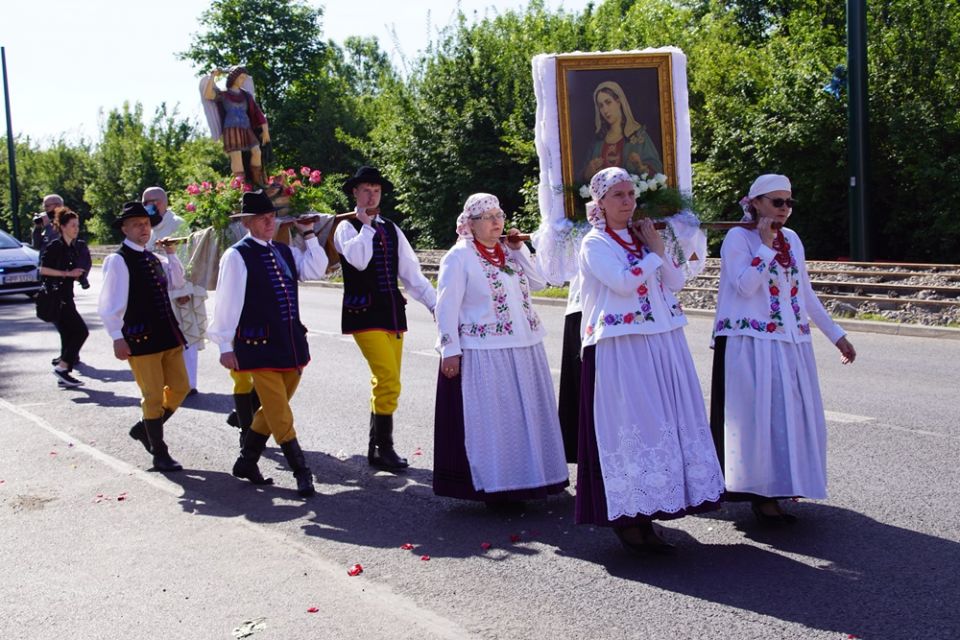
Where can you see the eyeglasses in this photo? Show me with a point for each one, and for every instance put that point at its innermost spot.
(490, 217)
(779, 202)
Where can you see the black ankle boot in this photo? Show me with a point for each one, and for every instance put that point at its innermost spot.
(161, 456)
(139, 432)
(246, 406)
(381, 453)
(298, 463)
(246, 465)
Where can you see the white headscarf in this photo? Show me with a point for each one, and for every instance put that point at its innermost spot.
(474, 207)
(763, 185)
(600, 183)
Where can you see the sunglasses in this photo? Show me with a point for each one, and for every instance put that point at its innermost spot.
(779, 202)
(490, 217)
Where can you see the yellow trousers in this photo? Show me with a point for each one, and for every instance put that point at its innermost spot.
(242, 382)
(383, 352)
(162, 378)
(274, 416)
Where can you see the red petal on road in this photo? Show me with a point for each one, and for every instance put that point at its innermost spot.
(424, 557)
(515, 537)
(485, 545)
(418, 452)
(355, 570)
(406, 546)
(53, 453)
(121, 498)
(312, 610)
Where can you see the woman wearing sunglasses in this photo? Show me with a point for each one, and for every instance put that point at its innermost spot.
(766, 412)
(496, 433)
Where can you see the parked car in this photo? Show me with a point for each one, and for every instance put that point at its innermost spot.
(19, 267)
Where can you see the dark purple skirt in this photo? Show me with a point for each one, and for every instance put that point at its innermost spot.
(451, 468)
(569, 400)
(591, 502)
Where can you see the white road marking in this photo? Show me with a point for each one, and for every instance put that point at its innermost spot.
(847, 418)
(395, 606)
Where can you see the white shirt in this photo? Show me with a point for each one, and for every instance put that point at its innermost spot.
(622, 294)
(357, 249)
(115, 293)
(232, 287)
(760, 298)
(168, 226)
(481, 307)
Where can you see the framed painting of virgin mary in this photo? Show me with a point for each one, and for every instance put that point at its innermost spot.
(615, 109)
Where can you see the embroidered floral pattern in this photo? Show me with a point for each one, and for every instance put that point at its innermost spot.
(775, 322)
(498, 295)
(642, 314)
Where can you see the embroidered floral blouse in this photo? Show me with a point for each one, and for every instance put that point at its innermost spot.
(761, 298)
(622, 294)
(481, 306)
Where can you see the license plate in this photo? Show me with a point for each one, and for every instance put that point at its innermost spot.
(19, 277)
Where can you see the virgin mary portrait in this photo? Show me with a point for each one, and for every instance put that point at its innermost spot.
(619, 140)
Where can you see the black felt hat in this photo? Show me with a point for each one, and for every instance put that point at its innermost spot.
(254, 203)
(368, 175)
(135, 209)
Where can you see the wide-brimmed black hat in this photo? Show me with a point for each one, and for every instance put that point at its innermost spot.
(368, 175)
(254, 203)
(135, 209)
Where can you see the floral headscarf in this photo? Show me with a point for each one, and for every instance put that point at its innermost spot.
(600, 183)
(475, 206)
(764, 184)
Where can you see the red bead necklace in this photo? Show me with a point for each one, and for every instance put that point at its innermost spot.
(494, 255)
(634, 248)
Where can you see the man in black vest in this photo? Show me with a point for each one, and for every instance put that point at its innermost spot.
(256, 324)
(374, 253)
(135, 308)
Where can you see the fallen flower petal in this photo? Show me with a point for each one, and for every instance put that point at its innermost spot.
(418, 452)
(121, 498)
(485, 545)
(355, 570)
(424, 557)
(515, 538)
(406, 546)
(313, 610)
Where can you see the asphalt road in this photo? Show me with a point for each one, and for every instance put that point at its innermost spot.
(199, 553)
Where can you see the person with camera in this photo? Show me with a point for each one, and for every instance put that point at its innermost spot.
(61, 262)
(44, 231)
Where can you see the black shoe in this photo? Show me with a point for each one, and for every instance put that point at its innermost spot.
(161, 456)
(192, 392)
(64, 379)
(771, 520)
(298, 463)
(250, 451)
(506, 507)
(380, 453)
(652, 542)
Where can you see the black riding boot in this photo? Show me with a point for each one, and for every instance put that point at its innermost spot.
(139, 432)
(161, 456)
(294, 454)
(250, 452)
(380, 453)
(246, 406)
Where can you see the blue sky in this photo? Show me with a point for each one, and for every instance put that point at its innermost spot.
(68, 60)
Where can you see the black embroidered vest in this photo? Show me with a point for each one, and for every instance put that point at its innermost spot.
(372, 298)
(270, 335)
(149, 325)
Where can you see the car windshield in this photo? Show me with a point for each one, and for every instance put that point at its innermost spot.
(7, 241)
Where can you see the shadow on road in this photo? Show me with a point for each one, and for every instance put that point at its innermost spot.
(849, 574)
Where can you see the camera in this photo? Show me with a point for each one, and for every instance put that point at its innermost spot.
(38, 219)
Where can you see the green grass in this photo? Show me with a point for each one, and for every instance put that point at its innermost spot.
(552, 292)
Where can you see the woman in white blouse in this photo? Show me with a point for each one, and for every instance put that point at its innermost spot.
(766, 411)
(645, 447)
(497, 436)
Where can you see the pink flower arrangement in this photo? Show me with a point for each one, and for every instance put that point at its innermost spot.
(191, 207)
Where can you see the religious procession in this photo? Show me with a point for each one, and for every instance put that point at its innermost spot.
(244, 310)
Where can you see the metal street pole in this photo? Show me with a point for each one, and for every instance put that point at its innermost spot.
(11, 156)
(857, 140)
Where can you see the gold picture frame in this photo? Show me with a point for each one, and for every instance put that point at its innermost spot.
(591, 90)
